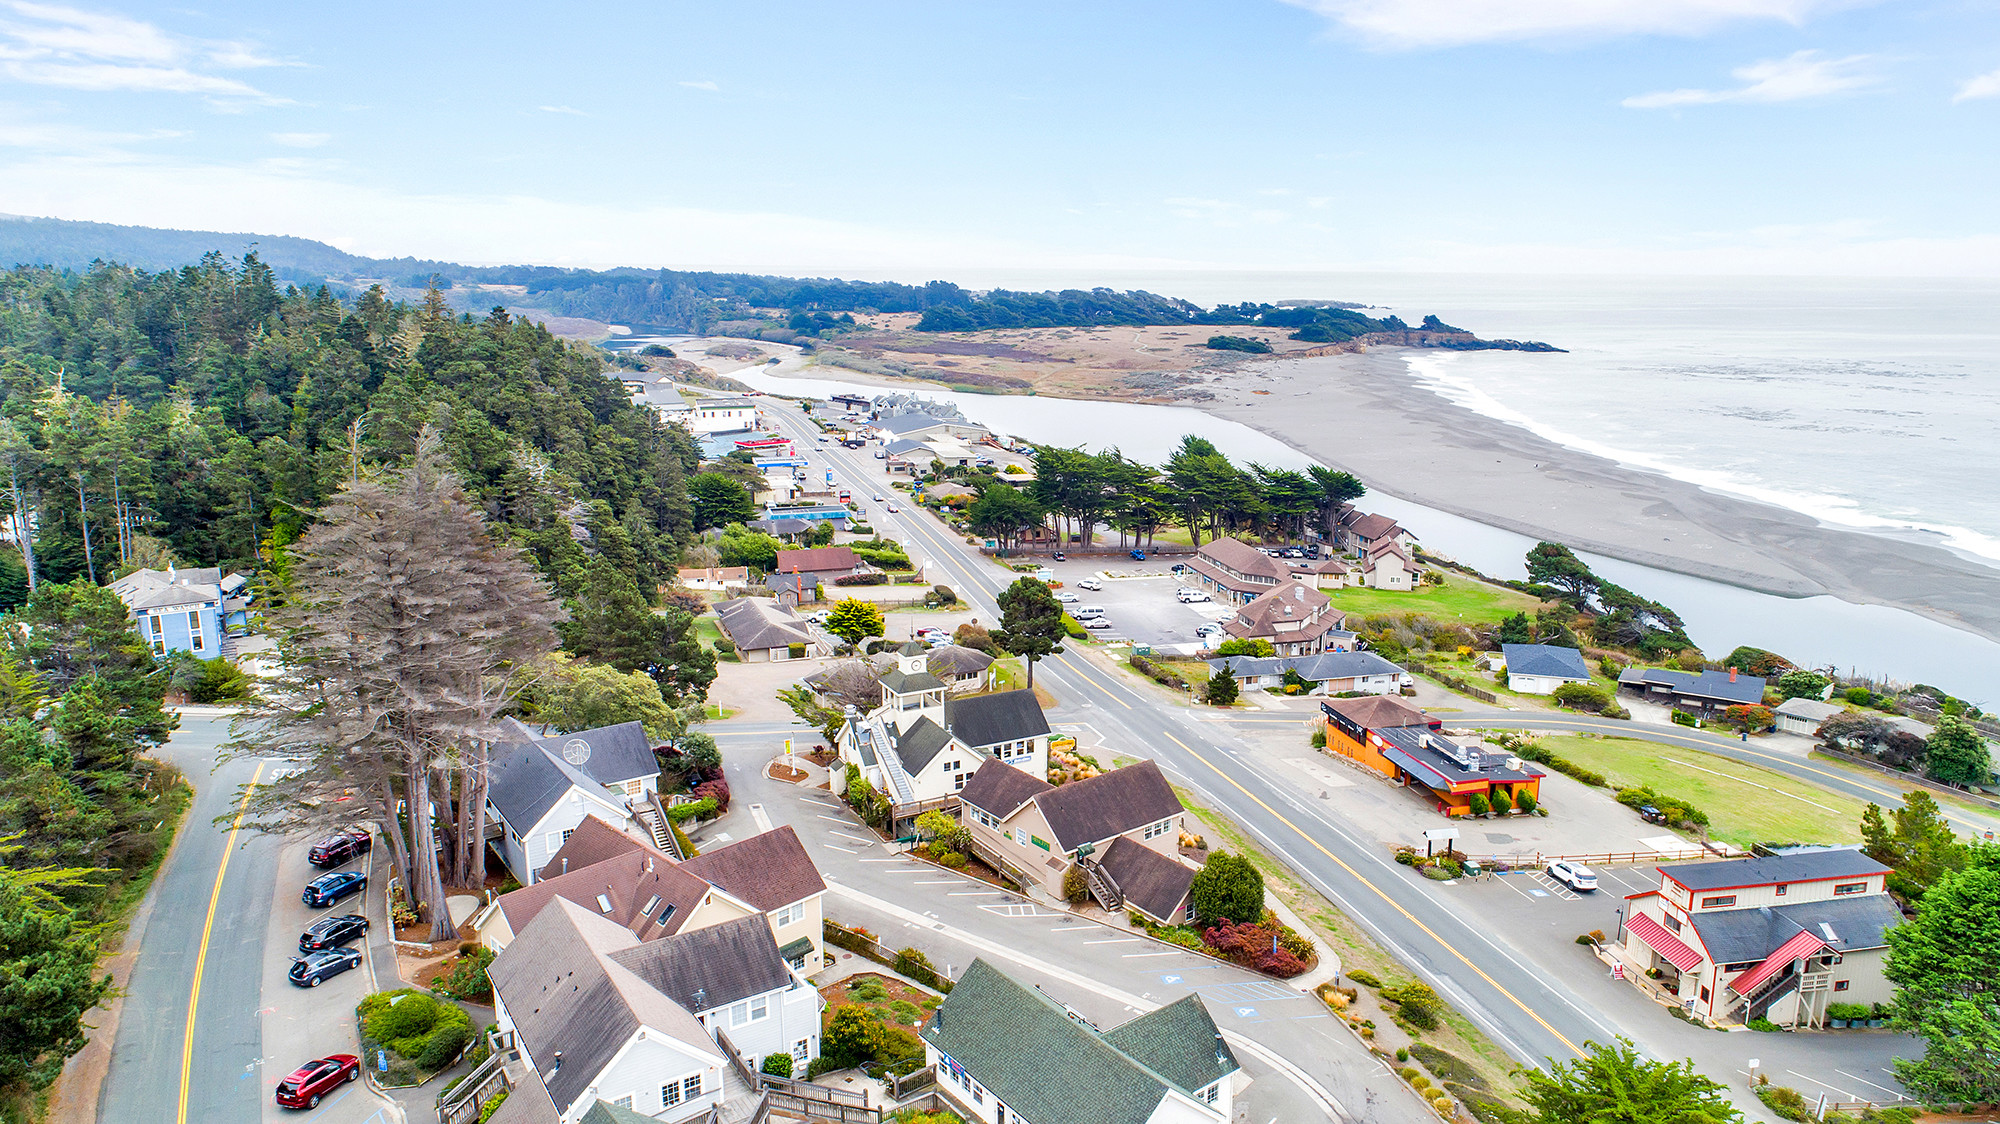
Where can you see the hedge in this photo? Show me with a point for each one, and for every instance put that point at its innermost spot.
(1676, 810)
(1531, 752)
(1164, 676)
(873, 578)
(693, 810)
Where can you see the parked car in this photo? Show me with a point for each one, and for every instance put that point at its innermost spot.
(332, 932)
(1087, 612)
(1090, 583)
(1207, 630)
(933, 635)
(1574, 875)
(314, 968)
(1097, 622)
(1651, 814)
(1138, 556)
(1181, 568)
(339, 847)
(330, 888)
(304, 1086)
(1191, 596)
(1059, 556)
(1068, 598)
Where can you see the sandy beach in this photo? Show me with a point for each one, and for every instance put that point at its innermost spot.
(1366, 414)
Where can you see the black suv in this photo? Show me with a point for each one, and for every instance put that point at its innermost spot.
(332, 932)
(339, 847)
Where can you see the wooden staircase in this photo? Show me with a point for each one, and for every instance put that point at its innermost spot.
(1103, 887)
(652, 815)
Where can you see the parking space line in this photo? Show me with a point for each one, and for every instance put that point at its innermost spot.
(848, 850)
(1844, 1094)
(1116, 940)
(1069, 928)
(1144, 955)
(1865, 1081)
(850, 838)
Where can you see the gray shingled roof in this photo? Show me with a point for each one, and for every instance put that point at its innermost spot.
(1150, 881)
(1716, 686)
(982, 720)
(899, 683)
(604, 1112)
(1812, 710)
(565, 992)
(1179, 1042)
(1734, 936)
(1000, 788)
(709, 967)
(754, 623)
(1550, 660)
(610, 754)
(528, 780)
(1316, 668)
(907, 423)
(1800, 866)
(954, 660)
(1021, 1046)
(1108, 804)
(919, 745)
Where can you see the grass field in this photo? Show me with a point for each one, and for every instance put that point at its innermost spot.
(1745, 804)
(1459, 598)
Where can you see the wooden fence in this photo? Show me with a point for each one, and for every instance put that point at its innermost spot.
(1537, 860)
(1462, 686)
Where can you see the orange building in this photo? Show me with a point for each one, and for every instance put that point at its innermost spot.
(1405, 745)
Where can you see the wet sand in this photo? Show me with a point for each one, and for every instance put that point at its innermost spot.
(1367, 415)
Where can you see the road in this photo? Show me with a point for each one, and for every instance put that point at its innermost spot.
(194, 1042)
(1534, 1013)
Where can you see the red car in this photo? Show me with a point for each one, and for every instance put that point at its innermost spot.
(304, 1087)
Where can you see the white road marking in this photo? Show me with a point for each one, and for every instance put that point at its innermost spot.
(1070, 928)
(851, 838)
(1844, 1094)
(1116, 940)
(831, 847)
(1865, 1081)
(1142, 955)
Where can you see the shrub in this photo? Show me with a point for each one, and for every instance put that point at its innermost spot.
(725, 646)
(1073, 629)
(466, 979)
(1582, 696)
(1450, 1068)
(1786, 1103)
(1502, 800)
(869, 991)
(1525, 801)
(944, 595)
(1752, 718)
(1151, 669)
(796, 651)
(1319, 737)
(716, 790)
(872, 578)
(492, 1106)
(1076, 886)
(777, 1065)
(1419, 1081)
(1762, 1024)
(1675, 810)
(905, 1011)
(694, 810)
(1615, 711)
(821, 1065)
(443, 1045)
(1236, 647)
(1403, 1055)
(1416, 1004)
(1478, 805)
(849, 1037)
(1364, 976)
(1227, 887)
(914, 964)
(953, 859)
(1683, 718)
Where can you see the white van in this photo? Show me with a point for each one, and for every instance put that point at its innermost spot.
(1191, 596)
(1087, 612)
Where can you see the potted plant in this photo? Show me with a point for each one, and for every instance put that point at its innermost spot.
(1877, 1015)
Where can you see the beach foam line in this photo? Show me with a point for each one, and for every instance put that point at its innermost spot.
(1434, 373)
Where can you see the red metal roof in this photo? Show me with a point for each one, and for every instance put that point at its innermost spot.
(1803, 943)
(1666, 944)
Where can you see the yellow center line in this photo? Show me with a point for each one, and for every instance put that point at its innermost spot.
(1393, 903)
(201, 956)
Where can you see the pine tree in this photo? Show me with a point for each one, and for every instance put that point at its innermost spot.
(1031, 622)
(396, 635)
(48, 979)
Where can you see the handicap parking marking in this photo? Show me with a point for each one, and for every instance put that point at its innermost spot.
(1246, 1012)
(1170, 979)
(1539, 893)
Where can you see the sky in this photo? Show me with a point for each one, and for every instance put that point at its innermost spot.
(1788, 137)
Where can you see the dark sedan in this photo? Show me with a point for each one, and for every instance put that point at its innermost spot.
(333, 932)
(312, 970)
(306, 1085)
(339, 847)
(330, 888)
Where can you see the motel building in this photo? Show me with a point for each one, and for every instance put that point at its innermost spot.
(1776, 937)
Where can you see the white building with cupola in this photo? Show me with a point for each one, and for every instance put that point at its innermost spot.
(919, 747)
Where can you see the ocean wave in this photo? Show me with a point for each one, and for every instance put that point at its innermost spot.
(1442, 376)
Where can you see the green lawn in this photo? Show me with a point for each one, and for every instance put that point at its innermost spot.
(1458, 598)
(1745, 804)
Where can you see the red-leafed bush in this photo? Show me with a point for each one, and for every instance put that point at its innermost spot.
(1280, 963)
(718, 789)
(1251, 945)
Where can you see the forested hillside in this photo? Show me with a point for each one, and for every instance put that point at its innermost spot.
(205, 413)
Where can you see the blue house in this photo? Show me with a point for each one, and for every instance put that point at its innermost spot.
(194, 610)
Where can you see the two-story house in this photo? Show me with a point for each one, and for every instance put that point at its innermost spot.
(1123, 827)
(1007, 1053)
(599, 1015)
(1295, 618)
(1777, 937)
(192, 610)
(919, 747)
(1362, 532)
(543, 787)
(1234, 571)
(644, 890)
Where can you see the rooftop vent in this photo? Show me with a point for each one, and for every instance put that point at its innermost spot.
(1826, 930)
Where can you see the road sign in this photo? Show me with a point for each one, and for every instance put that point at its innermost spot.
(1440, 834)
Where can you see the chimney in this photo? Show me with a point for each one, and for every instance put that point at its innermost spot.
(565, 868)
(1732, 675)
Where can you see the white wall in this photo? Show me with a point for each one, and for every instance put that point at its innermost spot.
(643, 1068)
(541, 844)
(792, 1014)
(1533, 684)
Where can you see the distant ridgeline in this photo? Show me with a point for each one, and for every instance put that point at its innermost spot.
(667, 300)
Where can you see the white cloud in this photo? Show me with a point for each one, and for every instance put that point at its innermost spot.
(1801, 77)
(20, 131)
(302, 140)
(702, 85)
(1984, 86)
(56, 45)
(1446, 23)
(565, 109)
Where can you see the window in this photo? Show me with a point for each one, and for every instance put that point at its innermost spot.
(802, 1050)
(760, 1008)
(555, 841)
(691, 1086)
(790, 915)
(1842, 985)
(158, 623)
(1704, 995)
(1671, 921)
(1212, 1092)
(667, 911)
(647, 909)
(1021, 837)
(624, 1101)
(1781, 890)
(194, 630)
(980, 817)
(739, 1015)
(957, 782)
(1718, 902)
(1155, 830)
(1850, 888)
(670, 1094)
(978, 1094)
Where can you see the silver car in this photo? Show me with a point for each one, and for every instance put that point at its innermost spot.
(1576, 876)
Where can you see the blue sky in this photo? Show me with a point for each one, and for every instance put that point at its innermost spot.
(1725, 136)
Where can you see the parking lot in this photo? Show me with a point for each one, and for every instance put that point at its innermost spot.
(1138, 599)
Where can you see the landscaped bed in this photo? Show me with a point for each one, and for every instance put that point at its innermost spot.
(893, 1001)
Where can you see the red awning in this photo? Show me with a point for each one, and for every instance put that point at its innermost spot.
(1802, 943)
(1666, 944)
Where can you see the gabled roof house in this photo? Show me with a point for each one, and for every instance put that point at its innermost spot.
(1295, 618)
(1538, 669)
(544, 787)
(1234, 571)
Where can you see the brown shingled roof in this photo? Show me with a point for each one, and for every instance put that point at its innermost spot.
(591, 843)
(1378, 712)
(818, 559)
(999, 788)
(1243, 558)
(770, 870)
(1108, 804)
(1293, 603)
(628, 884)
(1151, 882)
